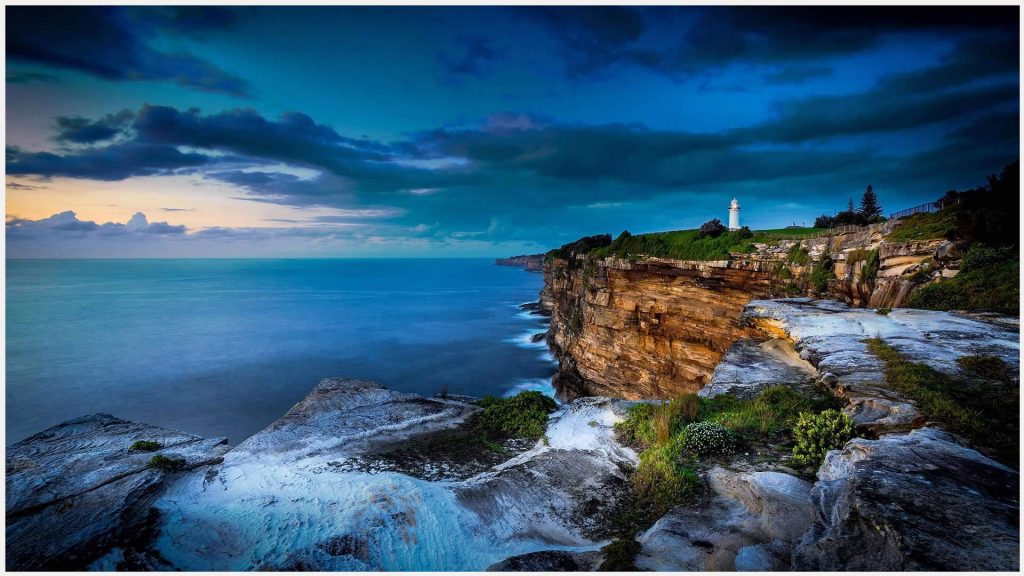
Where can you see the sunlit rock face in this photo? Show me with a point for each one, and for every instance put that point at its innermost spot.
(650, 329)
(78, 489)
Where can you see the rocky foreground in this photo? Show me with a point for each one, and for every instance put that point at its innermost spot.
(332, 486)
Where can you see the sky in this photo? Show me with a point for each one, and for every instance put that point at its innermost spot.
(483, 131)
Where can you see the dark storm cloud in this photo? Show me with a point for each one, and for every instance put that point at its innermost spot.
(114, 43)
(67, 223)
(78, 130)
(471, 56)
(114, 162)
(29, 77)
(595, 38)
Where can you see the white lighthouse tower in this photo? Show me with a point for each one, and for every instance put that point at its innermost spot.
(734, 215)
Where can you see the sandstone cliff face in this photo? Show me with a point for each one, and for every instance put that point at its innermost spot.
(650, 329)
(656, 327)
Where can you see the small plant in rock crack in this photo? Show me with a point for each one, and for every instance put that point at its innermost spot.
(145, 446)
(708, 438)
(168, 464)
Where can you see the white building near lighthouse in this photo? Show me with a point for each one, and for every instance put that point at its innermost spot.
(734, 215)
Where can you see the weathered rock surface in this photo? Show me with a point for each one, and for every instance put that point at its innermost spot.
(750, 366)
(916, 501)
(751, 523)
(831, 335)
(75, 490)
(283, 500)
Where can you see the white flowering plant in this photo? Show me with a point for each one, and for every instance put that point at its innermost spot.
(708, 438)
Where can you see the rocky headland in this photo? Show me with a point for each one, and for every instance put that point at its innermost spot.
(358, 477)
(528, 262)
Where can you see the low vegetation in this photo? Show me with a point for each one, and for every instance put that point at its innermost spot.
(926, 226)
(988, 280)
(145, 446)
(675, 439)
(524, 415)
(166, 463)
(980, 403)
(619, 555)
(816, 434)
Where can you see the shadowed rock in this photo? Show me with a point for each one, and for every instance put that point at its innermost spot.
(917, 501)
(77, 489)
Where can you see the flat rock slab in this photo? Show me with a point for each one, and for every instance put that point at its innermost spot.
(750, 366)
(75, 488)
(917, 501)
(831, 336)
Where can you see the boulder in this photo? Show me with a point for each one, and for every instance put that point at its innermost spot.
(550, 561)
(917, 501)
(77, 490)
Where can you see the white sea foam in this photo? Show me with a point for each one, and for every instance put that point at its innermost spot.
(525, 340)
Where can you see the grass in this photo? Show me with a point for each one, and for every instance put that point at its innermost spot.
(145, 446)
(988, 280)
(665, 475)
(927, 226)
(166, 463)
(798, 255)
(981, 403)
(619, 555)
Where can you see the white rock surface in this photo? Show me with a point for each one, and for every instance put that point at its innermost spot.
(278, 501)
(831, 336)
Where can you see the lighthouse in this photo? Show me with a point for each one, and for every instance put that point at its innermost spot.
(734, 215)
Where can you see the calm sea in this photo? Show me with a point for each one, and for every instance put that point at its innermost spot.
(224, 347)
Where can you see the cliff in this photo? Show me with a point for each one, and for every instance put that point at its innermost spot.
(529, 262)
(645, 327)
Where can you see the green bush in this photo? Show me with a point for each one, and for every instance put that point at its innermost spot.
(619, 555)
(708, 438)
(883, 311)
(797, 255)
(166, 463)
(524, 415)
(821, 274)
(816, 434)
(871, 266)
(658, 484)
(989, 279)
(145, 446)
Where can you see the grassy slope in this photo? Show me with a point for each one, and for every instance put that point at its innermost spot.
(689, 245)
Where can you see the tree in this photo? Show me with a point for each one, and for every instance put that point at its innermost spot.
(869, 207)
(712, 228)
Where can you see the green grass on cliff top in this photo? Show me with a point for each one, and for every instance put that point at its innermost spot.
(690, 245)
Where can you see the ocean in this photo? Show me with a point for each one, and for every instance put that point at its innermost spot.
(224, 347)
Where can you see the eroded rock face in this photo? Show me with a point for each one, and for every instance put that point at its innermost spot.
(650, 329)
(285, 500)
(831, 336)
(917, 501)
(76, 490)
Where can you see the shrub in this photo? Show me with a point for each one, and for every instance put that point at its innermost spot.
(870, 269)
(619, 555)
(816, 434)
(145, 446)
(745, 232)
(988, 280)
(798, 255)
(784, 272)
(883, 311)
(708, 438)
(712, 228)
(524, 415)
(168, 464)
(821, 274)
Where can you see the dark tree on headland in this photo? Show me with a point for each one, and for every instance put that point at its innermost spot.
(869, 213)
(869, 207)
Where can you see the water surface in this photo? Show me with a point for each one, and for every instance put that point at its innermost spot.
(224, 347)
